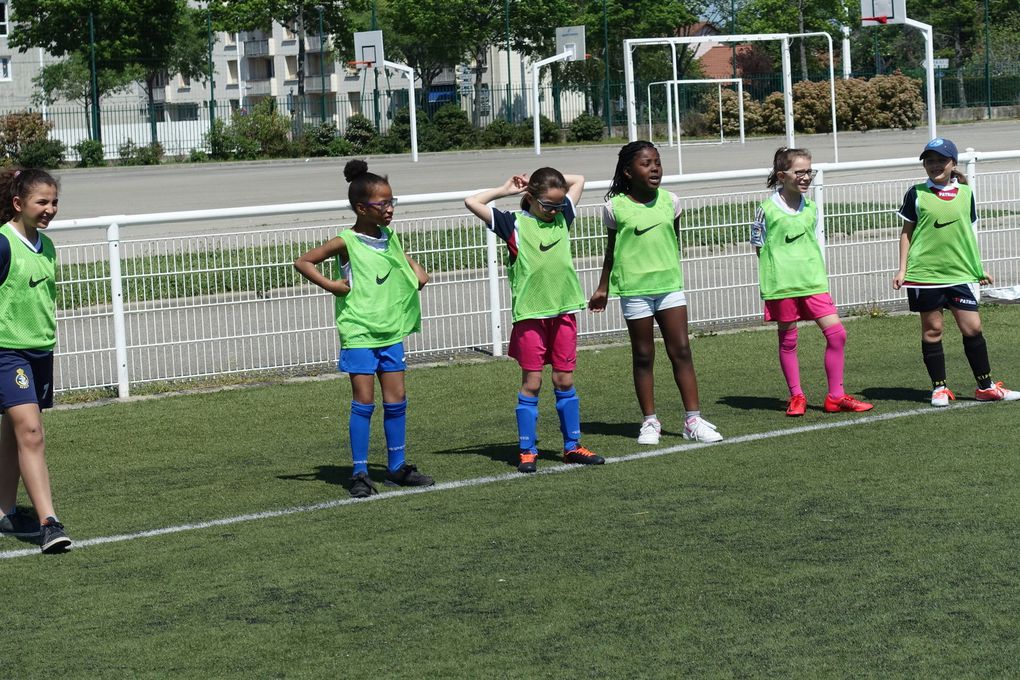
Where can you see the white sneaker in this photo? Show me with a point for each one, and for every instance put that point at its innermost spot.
(650, 431)
(941, 396)
(700, 430)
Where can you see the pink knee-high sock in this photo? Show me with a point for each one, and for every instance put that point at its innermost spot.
(788, 360)
(835, 341)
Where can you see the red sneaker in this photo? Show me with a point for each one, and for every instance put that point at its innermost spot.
(527, 462)
(846, 403)
(797, 405)
(997, 392)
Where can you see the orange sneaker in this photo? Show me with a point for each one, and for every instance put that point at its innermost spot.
(527, 463)
(582, 456)
(797, 405)
(941, 396)
(846, 403)
(997, 392)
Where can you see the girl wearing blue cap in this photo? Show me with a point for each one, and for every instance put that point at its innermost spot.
(940, 267)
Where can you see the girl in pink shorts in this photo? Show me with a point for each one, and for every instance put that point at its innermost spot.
(793, 281)
(545, 296)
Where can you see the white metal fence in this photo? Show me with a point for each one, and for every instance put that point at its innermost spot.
(134, 311)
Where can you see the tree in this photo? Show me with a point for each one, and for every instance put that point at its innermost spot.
(71, 80)
(417, 30)
(150, 37)
(794, 16)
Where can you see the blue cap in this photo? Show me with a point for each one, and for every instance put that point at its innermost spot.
(942, 147)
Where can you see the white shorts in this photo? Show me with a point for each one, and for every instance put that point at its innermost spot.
(641, 306)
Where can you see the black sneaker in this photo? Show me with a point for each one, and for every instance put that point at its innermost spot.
(20, 524)
(52, 538)
(582, 456)
(361, 486)
(408, 475)
(527, 462)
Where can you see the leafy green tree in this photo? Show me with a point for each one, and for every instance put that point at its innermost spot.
(417, 31)
(71, 80)
(794, 16)
(146, 38)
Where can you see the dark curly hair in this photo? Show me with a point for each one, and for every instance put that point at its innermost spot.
(362, 181)
(621, 183)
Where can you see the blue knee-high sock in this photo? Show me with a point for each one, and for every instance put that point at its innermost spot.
(359, 429)
(568, 407)
(395, 426)
(527, 421)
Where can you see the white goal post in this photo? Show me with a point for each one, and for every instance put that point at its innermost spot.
(631, 44)
(673, 95)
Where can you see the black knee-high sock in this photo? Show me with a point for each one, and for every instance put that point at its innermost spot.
(935, 362)
(976, 349)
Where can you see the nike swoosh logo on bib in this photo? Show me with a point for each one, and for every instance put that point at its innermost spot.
(791, 240)
(548, 246)
(939, 225)
(639, 232)
(32, 283)
(380, 280)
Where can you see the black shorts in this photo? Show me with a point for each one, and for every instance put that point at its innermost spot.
(26, 377)
(963, 296)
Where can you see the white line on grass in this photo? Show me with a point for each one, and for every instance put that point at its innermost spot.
(479, 481)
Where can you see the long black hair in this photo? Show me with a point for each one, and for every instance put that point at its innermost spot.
(621, 183)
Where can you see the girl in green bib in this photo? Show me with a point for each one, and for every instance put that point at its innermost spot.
(792, 278)
(377, 306)
(28, 325)
(545, 296)
(940, 267)
(642, 266)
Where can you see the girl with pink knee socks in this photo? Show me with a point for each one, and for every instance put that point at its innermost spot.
(793, 281)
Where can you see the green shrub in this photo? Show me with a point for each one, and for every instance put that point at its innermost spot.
(400, 131)
(812, 110)
(452, 122)
(197, 156)
(500, 133)
(773, 118)
(586, 128)
(132, 154)
(430, 138)
(340, 147)
(548, 131)
(360, 132)
(42, 153)
(317, 139)
(90, 153)
(19, 130)
(856, 107)
(261, 132)
(731, 113)
(220, 144)
(389, 143)
(899, 100)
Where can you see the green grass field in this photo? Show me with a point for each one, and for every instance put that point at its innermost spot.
(884, 548)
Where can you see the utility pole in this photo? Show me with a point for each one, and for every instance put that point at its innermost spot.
(96, 129)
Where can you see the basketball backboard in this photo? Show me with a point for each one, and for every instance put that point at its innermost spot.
(883, 12)
(368, 49)
(571, 38)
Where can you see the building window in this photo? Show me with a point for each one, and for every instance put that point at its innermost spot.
(5, 68)
(292, 67)
(229, 39)
(184, 82)
(3, 18)
(232, 72)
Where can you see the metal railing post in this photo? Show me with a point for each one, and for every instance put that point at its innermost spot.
(495, 314)
(819, 186)
(117, 300)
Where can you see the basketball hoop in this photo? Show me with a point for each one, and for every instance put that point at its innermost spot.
(878, 20)
(360, 64)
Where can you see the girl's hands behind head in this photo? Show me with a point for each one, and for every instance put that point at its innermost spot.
(516, 184)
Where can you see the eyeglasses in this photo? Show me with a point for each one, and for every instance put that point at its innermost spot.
(390, 203)
(551, 207)
(802, 174)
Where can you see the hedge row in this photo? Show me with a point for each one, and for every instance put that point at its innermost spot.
(893, 101)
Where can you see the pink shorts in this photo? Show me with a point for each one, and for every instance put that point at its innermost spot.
(807, 308)
(537, 342)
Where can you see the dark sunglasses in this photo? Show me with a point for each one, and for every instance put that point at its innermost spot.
(551, 207)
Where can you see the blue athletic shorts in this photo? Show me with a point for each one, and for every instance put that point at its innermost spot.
(964, 296)
(26, 377)
(372, 360)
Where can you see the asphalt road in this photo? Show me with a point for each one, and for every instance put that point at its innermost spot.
(110, 191)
